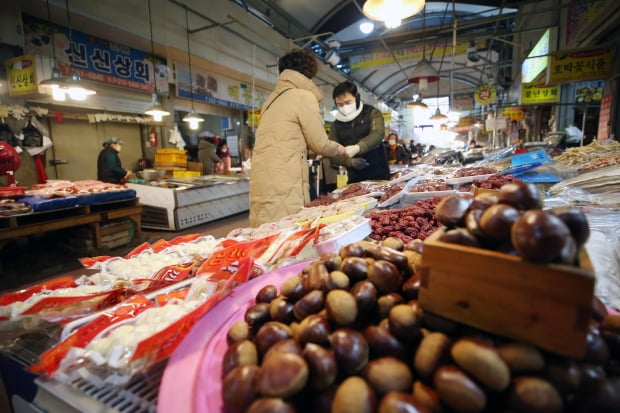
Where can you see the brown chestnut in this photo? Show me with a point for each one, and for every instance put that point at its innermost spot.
(238, 354)
(332, 261)
(354, 395)
(257, 315)
(270, 333)
(521, 195)
(451, 210)
(341, 307)
(400, 402)
(388, 374)
(539, 236)
(387, 301)
(533, 394)
(322, 366)
(287, 345)
(352, 250)
(356, 268)
(576, 221)
(596, 349)
(496, 221)
(394, 243)
(270, 405)
(565, 375)
(521, 357)
(337, 280)
(238, 388)
(351, 350)
(405, 323)
(382, 343)
(237, 332)
(459, 236)
(266, 294)
(281, 310)
(411, 287)
(481, 361)
(292, 288)
(365, 294)
(313, 329)
(385, 276)
(433, 351)
(310, 303)
(316, 279)
(428, 396)
(282, 375)
(381, 252)
(458, 391)
(416, 245)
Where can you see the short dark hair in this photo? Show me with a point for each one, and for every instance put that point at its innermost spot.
(343, 88)
(299, 60)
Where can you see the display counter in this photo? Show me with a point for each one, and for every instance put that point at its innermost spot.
(180, 203)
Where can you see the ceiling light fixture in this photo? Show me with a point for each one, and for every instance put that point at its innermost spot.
(367, 27)
(192, 118)
(392, 12)
(332, 58)
(417, 103)
(423, 73)
(156, 110)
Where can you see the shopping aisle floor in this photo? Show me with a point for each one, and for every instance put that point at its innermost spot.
(25, 262)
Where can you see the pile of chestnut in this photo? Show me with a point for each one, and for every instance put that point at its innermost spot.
(512, 221)
(346, 335)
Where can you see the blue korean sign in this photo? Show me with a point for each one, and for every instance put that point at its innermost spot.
(94, 58)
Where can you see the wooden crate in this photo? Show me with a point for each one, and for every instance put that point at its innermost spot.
(546, 305)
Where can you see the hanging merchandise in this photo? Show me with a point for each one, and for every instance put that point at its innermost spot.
(176, 138)
(35, 138)
(153, 137)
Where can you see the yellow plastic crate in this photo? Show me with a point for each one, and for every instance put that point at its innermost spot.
(185, 174)
(168, 156)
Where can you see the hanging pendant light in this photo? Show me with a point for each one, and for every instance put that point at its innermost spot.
(156, 110)
(392, 12)
(63, 86)
(423, 73)
(192, 118)
(417, 103)
(438, 115)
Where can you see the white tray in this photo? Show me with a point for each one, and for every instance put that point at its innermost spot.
(355, 234)
(411, 197)
(467, 179)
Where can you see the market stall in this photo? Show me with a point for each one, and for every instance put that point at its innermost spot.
(179, 203)
(436, 246)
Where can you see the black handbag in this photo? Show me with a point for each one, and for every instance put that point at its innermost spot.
(32, 136)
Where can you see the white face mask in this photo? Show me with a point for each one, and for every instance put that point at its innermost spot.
(391, 142)
(117, 148)
(347, 110)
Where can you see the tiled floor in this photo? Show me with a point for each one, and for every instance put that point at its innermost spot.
(47, 256)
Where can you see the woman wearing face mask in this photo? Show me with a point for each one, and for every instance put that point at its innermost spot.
(289, 126)
(224, 155)
(396, 153)
(109, 167)
(360, 129)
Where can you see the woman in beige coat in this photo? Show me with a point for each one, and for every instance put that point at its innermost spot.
(290, 124)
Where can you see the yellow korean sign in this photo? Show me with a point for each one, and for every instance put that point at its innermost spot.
(485, 94)
(514, 113)
(253, 117)
(535, 94)
(581, 64)
(22, 75)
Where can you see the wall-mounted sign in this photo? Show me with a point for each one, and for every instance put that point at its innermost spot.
(94, 58)
(589, 92)
(583, 15)
(253, 117)
(604, 119)
(463, 101)
(581, 64)
(532, 94)
(217, 89)
(485, 94)
(22, 75)
(514, 113)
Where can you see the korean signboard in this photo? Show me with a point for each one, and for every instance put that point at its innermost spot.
(582, 64)
(604, 119)
(589, 92)
(216, 89)
(94, 58)
(463, 101)
(532, 94)
(22, 75)
(583, 15)
(485, 94)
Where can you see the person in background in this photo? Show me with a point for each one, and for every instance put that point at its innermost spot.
(474, 144)
(396, 153)
(109, 167)
(290, 124)
(224, 155)
(207, 156)
(360, 129)
(246, 164)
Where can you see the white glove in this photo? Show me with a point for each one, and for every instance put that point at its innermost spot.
(352, 150)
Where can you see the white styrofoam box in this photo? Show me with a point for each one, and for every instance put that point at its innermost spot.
(410, 197)
(467, 179)
(355, 234)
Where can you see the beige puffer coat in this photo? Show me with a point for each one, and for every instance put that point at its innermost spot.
(290, 124)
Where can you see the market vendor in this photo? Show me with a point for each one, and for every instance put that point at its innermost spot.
(360, 129)
(396, 152)
(109, 167)
(207, 156)
(290, 125)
